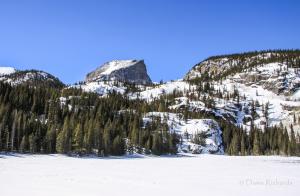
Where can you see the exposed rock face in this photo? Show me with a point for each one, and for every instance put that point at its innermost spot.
(267, 69)
(132, 71)
(220, 65)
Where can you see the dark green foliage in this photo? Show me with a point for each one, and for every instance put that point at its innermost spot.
(35, 120)
(271, 141)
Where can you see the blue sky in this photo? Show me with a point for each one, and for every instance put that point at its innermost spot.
(71, 38)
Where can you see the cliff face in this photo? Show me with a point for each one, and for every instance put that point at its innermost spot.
(278, 71)
(132, 71)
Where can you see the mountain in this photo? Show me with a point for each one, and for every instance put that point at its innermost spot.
(238, 104)
(29, 77)
(257, 81)
(232, 83)
(131, 71)
(224, 64)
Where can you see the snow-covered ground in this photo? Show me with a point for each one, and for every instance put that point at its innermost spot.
(6, 75)
(102, 87)
(6, 70)
(163, 89)
(36, 175)
(147, 93)
(188, 129)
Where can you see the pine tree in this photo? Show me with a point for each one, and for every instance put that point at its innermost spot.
(118, 146)
(135, 135)
(235, 144)
(1, 132)
(243, 145)
(64, 138)
(89, 143)
(292, 143)
(284, 142)
(157, 143)
(106, 141)
(256, 146)
(13, 131)
(24, 146)
(78, 138)
(161, 107)
(51, 139)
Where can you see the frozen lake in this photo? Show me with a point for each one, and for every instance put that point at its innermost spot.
(43, 175)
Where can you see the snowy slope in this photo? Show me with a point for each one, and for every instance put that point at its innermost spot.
(151, 93)
(48, 175)
(114, 65)
(282, 106)
(101, 87)
(188, 128)
(276, 77)
(296, 95)
(148, 93)
(272, 83)
(34, 77)
(6, 70)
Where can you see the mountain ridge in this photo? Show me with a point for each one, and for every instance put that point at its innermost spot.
(32, 77)
(229, 102)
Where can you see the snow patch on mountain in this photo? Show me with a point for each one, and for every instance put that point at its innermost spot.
(188, 129)
(154, 92)
(103, 88)
(263, 90)
(296, 95)
(7, 70)
(26, 76)
(183, 102)
(276, 77)
(148, 93)
(32, 77)
(114, 65)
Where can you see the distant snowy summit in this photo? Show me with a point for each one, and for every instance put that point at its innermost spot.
(131, 71)
(31, 77)
(6, 70)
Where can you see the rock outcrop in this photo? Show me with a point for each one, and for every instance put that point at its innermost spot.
(131, 71)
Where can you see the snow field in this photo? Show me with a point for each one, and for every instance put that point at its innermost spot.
(6, 70)
(35, 175)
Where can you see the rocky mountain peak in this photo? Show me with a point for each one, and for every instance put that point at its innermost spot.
(132, 71)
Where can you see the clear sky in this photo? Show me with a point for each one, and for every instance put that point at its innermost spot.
(69, 38)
